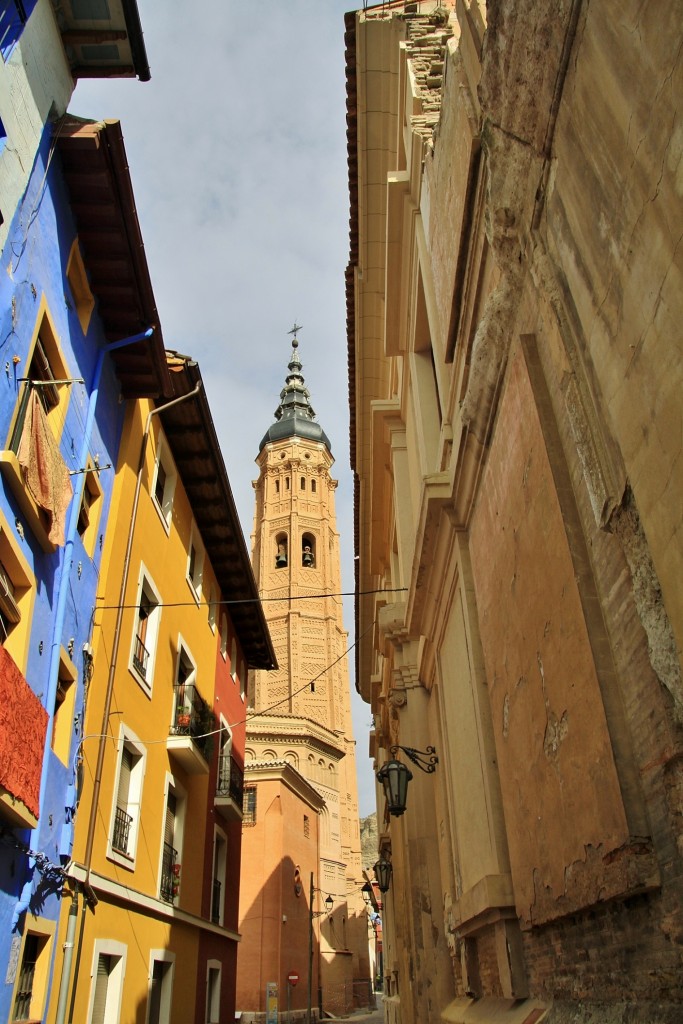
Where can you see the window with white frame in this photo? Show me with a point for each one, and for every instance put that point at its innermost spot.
(127, 799)
(224, 636)
(195, 563)
(220, 861)
(213, 991)
(172, 842)
(145, 632)
(162, 964)
(109, 966)
(164, 483)
(233, 660)
(213, 607)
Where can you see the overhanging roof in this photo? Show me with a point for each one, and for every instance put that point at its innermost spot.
(101, 39)
(97, 177)
(191, 434)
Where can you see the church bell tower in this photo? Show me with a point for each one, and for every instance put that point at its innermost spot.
(300, 714)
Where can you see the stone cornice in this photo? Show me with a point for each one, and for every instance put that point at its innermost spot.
(287, 774)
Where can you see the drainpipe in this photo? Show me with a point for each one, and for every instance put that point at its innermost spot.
(97, 785)
(62, 594)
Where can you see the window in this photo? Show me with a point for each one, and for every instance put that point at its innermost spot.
(224, 636)
(249, 806)
(220, 860)
(9, 609)
(213, 992)
(308, 551)
(233, 660)
(89, 511)
(303, 483)
(160, 987)
(145, 632)
(45, 368)
(186, 705)
(13, 16)
(307, 827)
(281, 551)
(163, 487)
(212, 610)
(109, 964)
(127, 802)
(32, 976)
(195, 564)
(172, 843)
(277, 486)
(286, 483)
(313, 487)
(80, 289)
(15, 594)
(65, 699)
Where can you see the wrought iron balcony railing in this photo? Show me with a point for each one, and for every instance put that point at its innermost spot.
(193, 717)
(168, 889)
(216, 902)
(122, 823)
(230, 780)
(140, 657)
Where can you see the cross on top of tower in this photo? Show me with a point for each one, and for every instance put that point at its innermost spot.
(295, 416)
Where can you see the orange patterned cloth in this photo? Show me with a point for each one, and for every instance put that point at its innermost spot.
(46, 474)
(23, 726)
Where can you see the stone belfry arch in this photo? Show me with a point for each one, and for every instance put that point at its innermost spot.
(301, 712)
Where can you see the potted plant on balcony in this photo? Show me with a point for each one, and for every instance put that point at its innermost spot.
(183, 717)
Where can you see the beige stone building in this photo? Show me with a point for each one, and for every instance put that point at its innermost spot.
(300, 714)
(515, 342)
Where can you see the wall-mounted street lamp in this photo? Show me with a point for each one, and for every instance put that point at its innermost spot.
(383, 870)
(395, 776)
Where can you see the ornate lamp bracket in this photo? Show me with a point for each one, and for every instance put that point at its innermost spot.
(426, 760)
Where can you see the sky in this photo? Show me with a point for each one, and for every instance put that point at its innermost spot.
(237, 154)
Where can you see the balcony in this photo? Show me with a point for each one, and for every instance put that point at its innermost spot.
(216, 902)
(188, 742)
(122, 823)
(229, 788)
(140, 657)
(170, 874)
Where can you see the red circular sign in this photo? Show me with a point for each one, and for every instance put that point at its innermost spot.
(292, 978)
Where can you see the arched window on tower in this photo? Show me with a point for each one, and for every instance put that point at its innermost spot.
(281, 551)
(303, 483)
(313, 486)
(308, 551)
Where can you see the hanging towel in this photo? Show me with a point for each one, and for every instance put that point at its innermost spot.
(47, 477)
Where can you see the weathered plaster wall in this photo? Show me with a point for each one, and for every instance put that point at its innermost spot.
(560, 788)
(35, 83)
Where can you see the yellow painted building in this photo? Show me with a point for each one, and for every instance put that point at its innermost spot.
(157, 853)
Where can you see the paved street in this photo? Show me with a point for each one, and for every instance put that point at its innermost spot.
(375, 1017)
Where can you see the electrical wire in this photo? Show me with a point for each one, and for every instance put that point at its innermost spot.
(247, 718)
(257, 600)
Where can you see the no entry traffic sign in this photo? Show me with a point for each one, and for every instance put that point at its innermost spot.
(292, 978)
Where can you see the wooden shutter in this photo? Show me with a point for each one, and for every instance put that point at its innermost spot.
(104, 966)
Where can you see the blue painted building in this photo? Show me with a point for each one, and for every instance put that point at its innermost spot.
(76, 308)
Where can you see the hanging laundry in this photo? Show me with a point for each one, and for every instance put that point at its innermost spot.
(46, 474)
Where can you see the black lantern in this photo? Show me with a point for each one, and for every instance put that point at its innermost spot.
(383, 871)
(395, 776)
(366, 890)
(329, 903)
